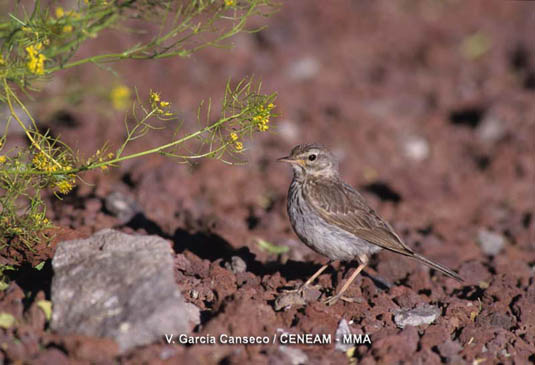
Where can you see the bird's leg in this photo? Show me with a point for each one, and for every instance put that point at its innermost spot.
(313, 277)
(334, 298)
(302, 287)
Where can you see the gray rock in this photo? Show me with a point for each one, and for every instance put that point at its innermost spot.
(491, 129)
(118, 286)
(122, 206)
(342, 330)
(423, 314)
(491, 243)
(416, 148)
(236, 265)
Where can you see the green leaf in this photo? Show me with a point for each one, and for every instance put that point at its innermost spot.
(270, 247)
(46, 307)
(6, 320)
(39, 266)
(6, 267)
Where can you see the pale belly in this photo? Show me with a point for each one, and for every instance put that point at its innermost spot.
(326, 239)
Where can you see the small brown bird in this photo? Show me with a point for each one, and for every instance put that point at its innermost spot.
(334, 220)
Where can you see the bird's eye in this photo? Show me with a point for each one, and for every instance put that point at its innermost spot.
(312, 157)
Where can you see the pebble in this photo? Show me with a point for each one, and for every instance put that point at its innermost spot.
(424, 314)
(416, 148)
(491, 243)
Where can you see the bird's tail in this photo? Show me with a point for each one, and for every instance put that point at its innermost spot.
(439, 267)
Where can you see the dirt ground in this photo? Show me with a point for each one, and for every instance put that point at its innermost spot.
(429, 106)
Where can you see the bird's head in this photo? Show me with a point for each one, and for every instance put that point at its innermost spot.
(312, 160)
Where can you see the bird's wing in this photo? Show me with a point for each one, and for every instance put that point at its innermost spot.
(339, 204)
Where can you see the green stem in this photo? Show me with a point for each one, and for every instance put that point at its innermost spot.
(160, 148)
(14, 114)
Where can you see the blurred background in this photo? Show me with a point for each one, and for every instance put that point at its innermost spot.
(429, 106)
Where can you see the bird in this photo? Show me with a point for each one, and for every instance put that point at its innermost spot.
(334, 219)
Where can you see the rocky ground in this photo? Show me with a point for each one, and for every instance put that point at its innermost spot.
(429, 106)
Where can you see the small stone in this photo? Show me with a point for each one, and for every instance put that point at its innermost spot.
(491, 129)
(342, 330)
(122, 206)
(236, 265)
(295, 356)
(416, 148)
(491, 243)
(424, 314)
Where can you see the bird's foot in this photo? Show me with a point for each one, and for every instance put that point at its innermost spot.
(289, 299)
(298, 296)
(331, 300)
(299, 290)
(335, 298)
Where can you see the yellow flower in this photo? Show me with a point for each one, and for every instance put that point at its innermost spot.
(33, 50)
(262, 115)
(39, 218)
(120, 97)
(157, 104)
(230, 2)
(42, 163)
(64, 186)
(263, 127)
(67, 28)
(239, 146)
(36, 63)
(60, 13)
(155, 97)
(3, 159)
(234, 136)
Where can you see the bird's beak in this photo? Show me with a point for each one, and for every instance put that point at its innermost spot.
(284, 159)
(292, 161)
